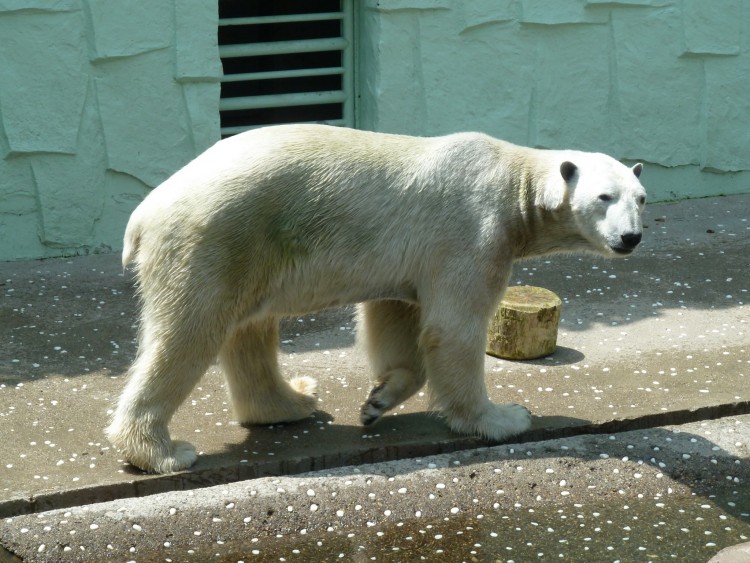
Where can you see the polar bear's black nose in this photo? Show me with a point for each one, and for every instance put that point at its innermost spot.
(631, 240)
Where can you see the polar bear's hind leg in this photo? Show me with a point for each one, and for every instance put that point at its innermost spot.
(169, 364)
(259, 394)
(389, 330)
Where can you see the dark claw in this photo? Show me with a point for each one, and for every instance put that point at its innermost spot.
(376, 389)
(368, 418)
(377, 403)
(373, 403)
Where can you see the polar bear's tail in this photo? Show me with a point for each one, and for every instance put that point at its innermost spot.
(130, 242)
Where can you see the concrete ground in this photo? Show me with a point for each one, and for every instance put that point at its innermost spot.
(646, 344)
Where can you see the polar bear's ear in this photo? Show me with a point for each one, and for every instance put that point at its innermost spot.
(554, 190)
(568, 170)
(637, 169)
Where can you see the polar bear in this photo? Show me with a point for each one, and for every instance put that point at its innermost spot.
(296, 218)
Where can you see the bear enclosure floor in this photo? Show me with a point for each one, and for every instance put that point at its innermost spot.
(657, 339)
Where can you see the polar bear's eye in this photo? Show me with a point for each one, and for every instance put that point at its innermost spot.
(605, 197)
(642, 200)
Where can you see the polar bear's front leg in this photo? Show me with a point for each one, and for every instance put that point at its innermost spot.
(454, 356)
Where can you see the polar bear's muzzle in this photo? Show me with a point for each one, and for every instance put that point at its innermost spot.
(628, 242)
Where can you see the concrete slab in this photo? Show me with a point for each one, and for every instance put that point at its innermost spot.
(675, 492)
(658, 338)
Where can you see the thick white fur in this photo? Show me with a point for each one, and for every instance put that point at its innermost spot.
(291, 219)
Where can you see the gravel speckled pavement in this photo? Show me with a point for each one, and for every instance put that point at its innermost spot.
(639, 447)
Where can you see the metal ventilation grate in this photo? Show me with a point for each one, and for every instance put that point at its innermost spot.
(286, 61)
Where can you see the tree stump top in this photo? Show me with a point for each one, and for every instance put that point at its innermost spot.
(529, 298)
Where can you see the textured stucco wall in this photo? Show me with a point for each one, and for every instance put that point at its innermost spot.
(661, 81)
(99, 102)
(102, 100)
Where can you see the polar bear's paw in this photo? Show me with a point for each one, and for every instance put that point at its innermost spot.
(153, 452)
(304, 402)
(495, 422)
(391, 389)
(305, 385)
(182, 456)
(178, 456)
(375, 406)
(294, 400)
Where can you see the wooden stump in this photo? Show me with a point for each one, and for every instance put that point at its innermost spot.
(525, 325)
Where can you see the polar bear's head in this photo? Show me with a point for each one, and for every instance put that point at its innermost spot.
(606, 200)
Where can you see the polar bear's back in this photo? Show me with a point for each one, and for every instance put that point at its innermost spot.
(313, 156)
(316, 185)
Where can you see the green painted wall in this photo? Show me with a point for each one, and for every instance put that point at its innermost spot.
(660, 81)
(99, 102)
(102, 100)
